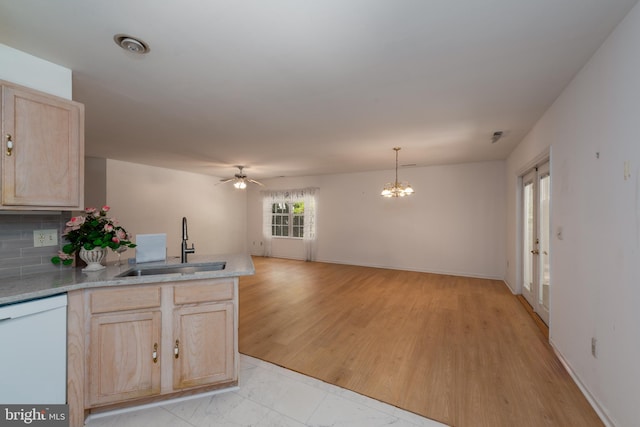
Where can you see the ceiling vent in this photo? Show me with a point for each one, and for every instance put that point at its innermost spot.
(131, 44)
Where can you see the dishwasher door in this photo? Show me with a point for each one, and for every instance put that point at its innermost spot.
(33, 351)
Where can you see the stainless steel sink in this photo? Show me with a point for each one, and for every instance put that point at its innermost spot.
(174, 269)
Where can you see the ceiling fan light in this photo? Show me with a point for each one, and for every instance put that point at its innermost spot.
(240, 180)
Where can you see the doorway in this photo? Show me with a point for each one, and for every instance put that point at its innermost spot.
(536, 279)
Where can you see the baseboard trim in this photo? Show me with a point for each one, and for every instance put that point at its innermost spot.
(602, 413)
(159, 403)
(539, 322)
(416, 270)
(512, 289)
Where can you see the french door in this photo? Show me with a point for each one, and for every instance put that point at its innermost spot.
(536, 281)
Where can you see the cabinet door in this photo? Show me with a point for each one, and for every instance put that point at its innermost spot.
(44, 168)
(204, 346)
(121, 359)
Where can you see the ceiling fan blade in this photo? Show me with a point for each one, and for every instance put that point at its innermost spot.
(255, 182)
(227, 179)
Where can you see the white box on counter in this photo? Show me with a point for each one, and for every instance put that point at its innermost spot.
(151, 247)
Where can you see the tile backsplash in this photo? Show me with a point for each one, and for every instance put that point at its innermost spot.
(18, 256)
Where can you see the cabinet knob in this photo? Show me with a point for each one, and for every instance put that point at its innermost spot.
(9, 144)
(155, 353)
(176, 349)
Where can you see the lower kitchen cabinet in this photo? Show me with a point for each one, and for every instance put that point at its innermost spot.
(148, 342)
(203, 349)
(123, 362)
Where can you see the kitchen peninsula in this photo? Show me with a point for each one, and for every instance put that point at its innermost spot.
(140, 339)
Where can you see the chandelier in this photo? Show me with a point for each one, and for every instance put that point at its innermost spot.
(397, 189)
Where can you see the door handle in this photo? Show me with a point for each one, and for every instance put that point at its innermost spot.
(9, 144)
(535, 252)
(176, 349)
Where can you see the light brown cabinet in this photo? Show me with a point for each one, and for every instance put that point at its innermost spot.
(124, 361)
(205, 333)
(42, 165)
(148, 342)
(203, 353)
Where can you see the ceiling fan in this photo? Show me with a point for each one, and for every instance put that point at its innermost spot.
(240, 179)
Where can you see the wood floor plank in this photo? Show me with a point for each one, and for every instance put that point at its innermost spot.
(462, 351)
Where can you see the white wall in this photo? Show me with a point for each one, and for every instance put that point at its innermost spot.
(596, 266)
(95, 182)
(148, 199)
(27, 70)
(453, 224)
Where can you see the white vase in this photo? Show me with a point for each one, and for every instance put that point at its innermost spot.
(93, 258)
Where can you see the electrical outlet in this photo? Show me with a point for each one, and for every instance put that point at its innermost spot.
(45, 238)
(594, 349)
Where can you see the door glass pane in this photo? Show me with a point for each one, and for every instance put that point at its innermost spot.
(528, 238)
(543, 292)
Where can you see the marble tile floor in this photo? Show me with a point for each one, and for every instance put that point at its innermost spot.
(269, 395)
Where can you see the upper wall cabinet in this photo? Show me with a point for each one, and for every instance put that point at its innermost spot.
(42, 164)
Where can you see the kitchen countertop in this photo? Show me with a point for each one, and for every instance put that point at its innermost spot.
(69, 278)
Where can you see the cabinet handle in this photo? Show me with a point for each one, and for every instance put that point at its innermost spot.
(9, 144)
(155, 353)
(176, 349)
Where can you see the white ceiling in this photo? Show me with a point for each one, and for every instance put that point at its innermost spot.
(306, 87)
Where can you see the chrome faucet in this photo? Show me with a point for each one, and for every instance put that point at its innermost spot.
(185, 249)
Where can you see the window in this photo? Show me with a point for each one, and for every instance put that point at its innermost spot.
(287, 219)
(290, 215)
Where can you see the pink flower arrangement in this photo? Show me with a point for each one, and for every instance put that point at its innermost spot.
(93, 230)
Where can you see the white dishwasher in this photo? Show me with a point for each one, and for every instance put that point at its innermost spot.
(33, 351)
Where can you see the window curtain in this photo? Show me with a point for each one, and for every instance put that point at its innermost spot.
(310, 198)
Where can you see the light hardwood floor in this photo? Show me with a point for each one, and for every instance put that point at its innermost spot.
(458, 350)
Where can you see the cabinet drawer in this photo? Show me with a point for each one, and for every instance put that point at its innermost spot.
(121, 299)
(202, 291)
